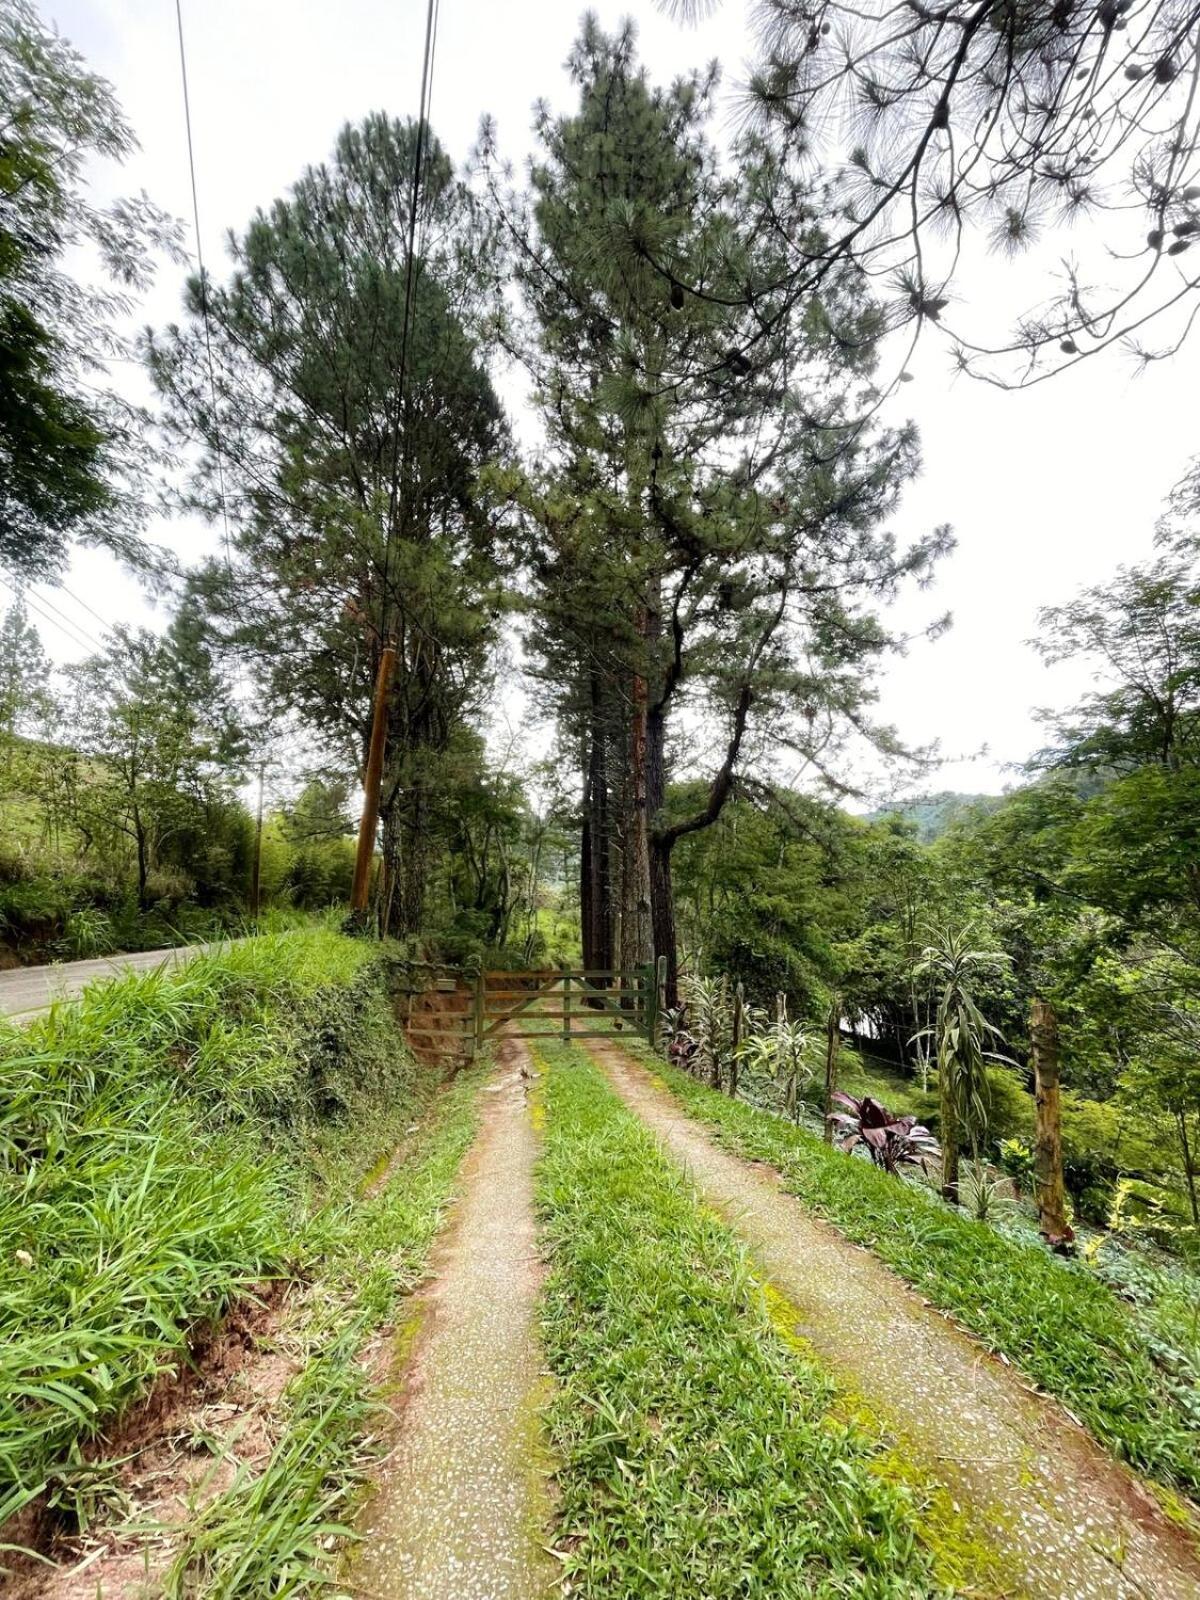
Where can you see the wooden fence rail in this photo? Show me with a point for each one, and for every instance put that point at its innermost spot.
(458, 1011)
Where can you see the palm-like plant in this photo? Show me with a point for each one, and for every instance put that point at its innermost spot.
(781, 1048)
(961, 1035)
(707, 1014)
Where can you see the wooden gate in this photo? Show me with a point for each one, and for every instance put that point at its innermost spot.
(453, 1011)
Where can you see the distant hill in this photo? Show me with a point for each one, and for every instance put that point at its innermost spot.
(933, 813)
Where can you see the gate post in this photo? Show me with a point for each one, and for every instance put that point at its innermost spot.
(656, 984)
(479, 998)
(566, 1014)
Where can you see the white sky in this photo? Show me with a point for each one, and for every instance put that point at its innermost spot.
(1046, 489)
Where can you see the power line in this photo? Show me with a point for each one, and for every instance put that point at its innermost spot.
(80, 640)
(212, 381)
(70, 593)
(431, 16)
(77, 627)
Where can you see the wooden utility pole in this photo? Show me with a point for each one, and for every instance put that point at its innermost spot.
(256, 874)
(372, 783)
(1047, 1149)
(833, 1042)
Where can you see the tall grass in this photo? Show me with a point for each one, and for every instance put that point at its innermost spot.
(270, 1532)
(158, 1150)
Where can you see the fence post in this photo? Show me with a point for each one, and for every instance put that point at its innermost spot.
(656, 978)
(739, 1012)
(566, 1014)
(479, 999)
(833, 1040)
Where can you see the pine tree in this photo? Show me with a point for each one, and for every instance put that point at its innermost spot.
(706, 535)
(349, 457)
(26, 701)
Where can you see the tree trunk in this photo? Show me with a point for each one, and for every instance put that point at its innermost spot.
(404, 881)
(143, 859)
(595, 862)
(587, 884)
(637, 949)
(1047, 1150)
(1189, 1165)
(389, 867)
(662, 893)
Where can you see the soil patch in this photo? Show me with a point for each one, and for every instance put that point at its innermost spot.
(176, 1449)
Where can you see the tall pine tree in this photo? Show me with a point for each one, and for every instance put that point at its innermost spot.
(349, 456)
(705, 536)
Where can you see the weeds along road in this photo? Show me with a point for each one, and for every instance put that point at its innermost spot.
(26, 991)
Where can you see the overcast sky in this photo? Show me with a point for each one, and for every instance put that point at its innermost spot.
(1046, 489)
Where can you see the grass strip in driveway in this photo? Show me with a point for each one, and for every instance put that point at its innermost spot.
(1053, 1320)
(699, 1453)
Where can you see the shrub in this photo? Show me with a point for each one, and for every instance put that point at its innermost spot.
(891, 1142)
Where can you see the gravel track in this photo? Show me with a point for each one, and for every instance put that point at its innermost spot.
(1065, 1519)
(461, 1506)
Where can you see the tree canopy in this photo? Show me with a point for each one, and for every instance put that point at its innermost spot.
(73, 452)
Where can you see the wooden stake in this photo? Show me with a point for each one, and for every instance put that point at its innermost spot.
(1047, 1150)
(657, 998)
(372, 783)
(256, 874)
(480, 999)
(833, 1042)
(739, 1020)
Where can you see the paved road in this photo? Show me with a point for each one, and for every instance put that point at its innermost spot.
(24, 991)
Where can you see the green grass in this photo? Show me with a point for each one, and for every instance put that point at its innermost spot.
(698, 1454)
(162, 1145)
(269, 1533)
(1054, 1320)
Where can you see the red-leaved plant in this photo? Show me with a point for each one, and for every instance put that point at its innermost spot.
(893, 1142)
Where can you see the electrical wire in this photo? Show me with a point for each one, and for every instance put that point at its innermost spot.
(212, 380)
(70, 593)
(76, 627)
(64, 626)
(431, 17)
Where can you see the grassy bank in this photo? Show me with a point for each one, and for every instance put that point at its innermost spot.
(698, 1451)
(164, 1144)
(1054, 1320)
